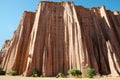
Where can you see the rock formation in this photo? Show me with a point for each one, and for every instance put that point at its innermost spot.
(4, 50)
(0, 59)
(61, 36)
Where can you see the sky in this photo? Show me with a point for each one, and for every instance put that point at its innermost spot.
(11, 11)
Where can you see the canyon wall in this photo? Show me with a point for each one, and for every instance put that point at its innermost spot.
(4, 50)
(1, 59)
(60, 36)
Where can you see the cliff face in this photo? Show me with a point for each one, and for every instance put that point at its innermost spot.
(0, 59)
(61, 36)
(16, 50)
(4, 50)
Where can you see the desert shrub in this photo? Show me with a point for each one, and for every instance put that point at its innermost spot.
(74, 72)
(1, 71)
(35, 73)
(41, 75)
(90, 73)
(13, 73)
(60, 75)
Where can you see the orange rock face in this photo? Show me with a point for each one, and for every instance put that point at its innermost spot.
(4, 50)
(0, 59)
(61, 36)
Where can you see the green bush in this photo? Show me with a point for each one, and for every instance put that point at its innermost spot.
(2, 72)
(1, 69)
(90, 73)
(13, 73)
(60, 75)
(35, 73)
(74, 72)
(41, 75)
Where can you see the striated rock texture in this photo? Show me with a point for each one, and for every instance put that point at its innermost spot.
(4, 50)
(0, 59)
(61, 36)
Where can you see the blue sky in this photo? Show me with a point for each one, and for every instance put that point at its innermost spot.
(11, 12)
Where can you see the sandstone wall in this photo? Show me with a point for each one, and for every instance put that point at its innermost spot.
(61, 36)
(16, 54)
(0, 59)
(4, 50)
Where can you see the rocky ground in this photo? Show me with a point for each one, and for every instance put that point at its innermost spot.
(53, 78)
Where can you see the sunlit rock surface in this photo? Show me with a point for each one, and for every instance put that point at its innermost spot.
(60, 36)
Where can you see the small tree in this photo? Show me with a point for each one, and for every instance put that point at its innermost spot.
(90, 73)
(74, 72)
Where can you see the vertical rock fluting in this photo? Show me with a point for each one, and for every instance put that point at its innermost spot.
(1, 59)
(113, 44)
(4, 50)
(16, 54)
(61, 36)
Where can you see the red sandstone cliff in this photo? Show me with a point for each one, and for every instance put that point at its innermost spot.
(61, 36)
(0, 59)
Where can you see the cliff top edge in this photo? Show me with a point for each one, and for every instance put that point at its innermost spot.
(69, 2)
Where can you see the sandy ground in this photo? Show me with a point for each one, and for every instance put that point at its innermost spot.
(53, 78)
